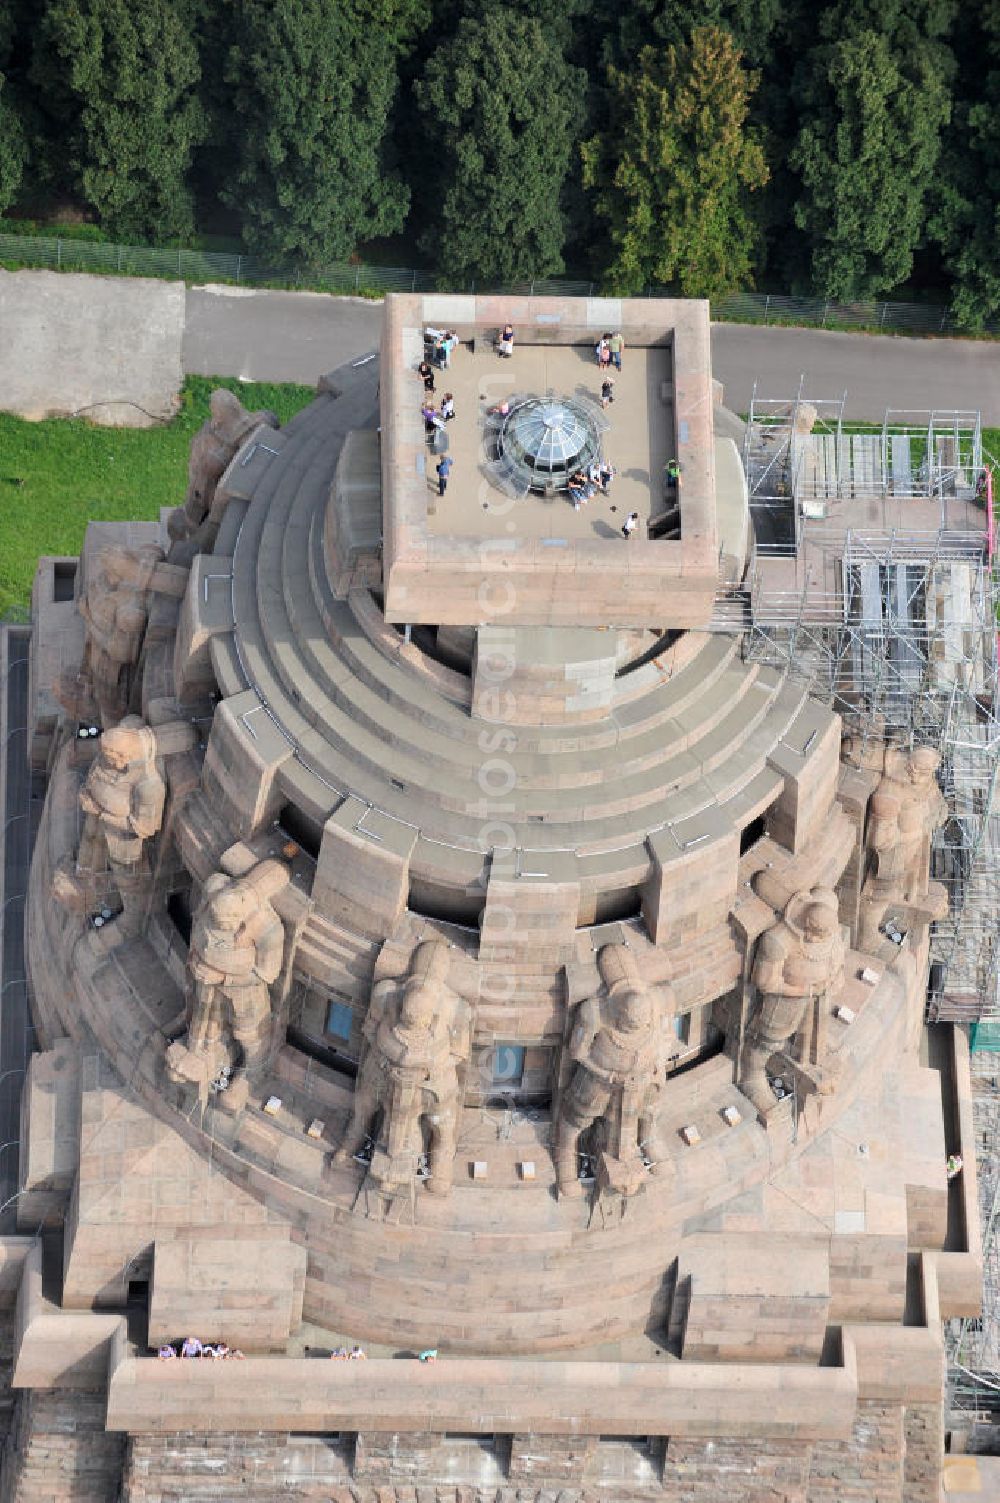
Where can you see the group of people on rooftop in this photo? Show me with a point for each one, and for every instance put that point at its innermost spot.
(583, 485)
(438, 344)
(192, 1347)
(608, 351)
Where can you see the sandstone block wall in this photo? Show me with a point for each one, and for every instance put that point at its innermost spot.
(865, 1469)
(58, 1450)
(923, 1434)
(743, 1471)
(213, 1469)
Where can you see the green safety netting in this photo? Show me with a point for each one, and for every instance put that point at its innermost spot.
(985, 1035)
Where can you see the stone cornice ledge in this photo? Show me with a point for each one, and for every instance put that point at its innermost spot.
(559, 1398)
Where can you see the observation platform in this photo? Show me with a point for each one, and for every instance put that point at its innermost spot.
(475, 555)
(638, 440)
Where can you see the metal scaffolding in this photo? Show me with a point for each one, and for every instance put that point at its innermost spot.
(873, 582)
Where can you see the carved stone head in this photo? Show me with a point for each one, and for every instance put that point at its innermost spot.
(819, 921)
(633, 1008)
(814, 914)
(232, 906)
(128, 742)
(921, 766)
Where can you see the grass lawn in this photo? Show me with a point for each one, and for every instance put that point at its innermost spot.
(57, 475)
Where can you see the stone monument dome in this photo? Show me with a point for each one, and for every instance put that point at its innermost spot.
(455, 941)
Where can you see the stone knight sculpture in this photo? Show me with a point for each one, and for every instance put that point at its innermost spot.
(115, 609)
(417, 1037)
(235, 956)
(618, 1055)
(122, 803)
(799, 962)
(193, 527)
(906, 808)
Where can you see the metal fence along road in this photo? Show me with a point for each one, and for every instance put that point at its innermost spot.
(61, 254)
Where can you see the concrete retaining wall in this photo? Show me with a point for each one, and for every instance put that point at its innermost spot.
(108, 346)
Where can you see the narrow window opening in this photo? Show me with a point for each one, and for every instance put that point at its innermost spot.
(339, 1020)
(752, 832)
(298, 826)
(507, 1065)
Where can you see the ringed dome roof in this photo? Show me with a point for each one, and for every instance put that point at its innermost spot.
(546, 438)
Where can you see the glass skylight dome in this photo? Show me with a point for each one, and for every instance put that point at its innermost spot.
(544, 439)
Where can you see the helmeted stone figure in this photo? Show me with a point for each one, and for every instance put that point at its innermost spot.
(799, 960)
(235, 956)
(193, 527)
(619, 1067)
(122, 804)
(115, 609)
(417, 1036)
(122, 799)
(906, 808)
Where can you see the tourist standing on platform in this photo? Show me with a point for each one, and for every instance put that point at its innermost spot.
(443, 471)
(426, 373)
(616, 345)
(630, 523)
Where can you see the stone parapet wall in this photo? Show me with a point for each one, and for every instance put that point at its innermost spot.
(770, 1402)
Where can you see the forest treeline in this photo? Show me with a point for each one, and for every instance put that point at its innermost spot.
(838, 148)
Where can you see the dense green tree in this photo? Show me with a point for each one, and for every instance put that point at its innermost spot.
(807, 143)
(966, 219)
(121, 77)
(866, 156)
(13, 145)
(500, 107)
(313, 83)
(903, 23)
(650, 23)
(13, 148)
(672, 173)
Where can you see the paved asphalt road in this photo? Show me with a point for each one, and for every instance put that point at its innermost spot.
(275, 336)
(296, 336)
(876, 371)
